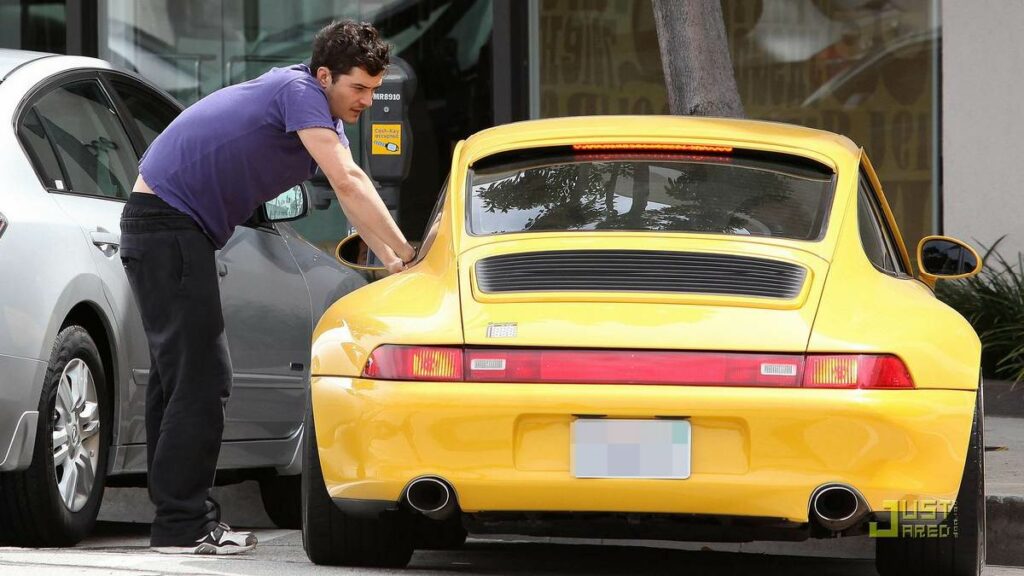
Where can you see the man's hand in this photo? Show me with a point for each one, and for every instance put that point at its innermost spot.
(408, 253)
(400, 263)
(395, 266)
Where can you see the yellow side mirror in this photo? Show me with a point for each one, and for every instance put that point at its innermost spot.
(945, 258)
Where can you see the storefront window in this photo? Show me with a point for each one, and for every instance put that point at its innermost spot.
(194, 47)
(864, 69)
(38, 25)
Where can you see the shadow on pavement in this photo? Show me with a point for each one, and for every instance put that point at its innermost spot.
(539, 558)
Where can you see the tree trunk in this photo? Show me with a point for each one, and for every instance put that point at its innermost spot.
(695, 57)
(641, 192)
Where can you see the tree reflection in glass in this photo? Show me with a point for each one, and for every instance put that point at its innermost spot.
(717, 195)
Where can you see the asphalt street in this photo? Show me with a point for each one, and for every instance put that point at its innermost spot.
(120, 548)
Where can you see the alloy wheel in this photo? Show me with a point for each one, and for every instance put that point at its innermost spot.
(76, 438)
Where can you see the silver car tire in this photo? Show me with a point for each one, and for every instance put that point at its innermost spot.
(282, 500)
(56, 500)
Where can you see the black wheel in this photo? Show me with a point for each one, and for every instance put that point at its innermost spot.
(961, 552)
(447, 534)
(55, 501)
(282, 499)
(332, 537)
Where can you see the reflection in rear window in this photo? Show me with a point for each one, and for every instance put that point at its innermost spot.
(738, 194)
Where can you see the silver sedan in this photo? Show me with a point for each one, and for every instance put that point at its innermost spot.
(73, 356)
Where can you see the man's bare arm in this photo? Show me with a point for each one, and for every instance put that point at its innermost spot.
(357, 197)
(376, 245)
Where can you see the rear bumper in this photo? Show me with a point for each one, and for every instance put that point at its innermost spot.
(21, 381)
(755, 452)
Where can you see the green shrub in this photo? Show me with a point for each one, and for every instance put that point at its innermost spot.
(993, 302)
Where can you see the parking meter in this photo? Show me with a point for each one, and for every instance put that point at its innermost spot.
(388, 134)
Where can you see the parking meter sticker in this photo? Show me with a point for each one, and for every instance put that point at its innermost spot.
(386, 139)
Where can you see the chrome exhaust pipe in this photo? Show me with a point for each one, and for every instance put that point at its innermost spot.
(837, 507)
(431, 496)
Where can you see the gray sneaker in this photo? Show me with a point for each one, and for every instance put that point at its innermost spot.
(219, 541)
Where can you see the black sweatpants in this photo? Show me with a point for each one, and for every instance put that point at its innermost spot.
(172, 272)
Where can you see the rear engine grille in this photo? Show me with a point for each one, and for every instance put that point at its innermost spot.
(639, 271)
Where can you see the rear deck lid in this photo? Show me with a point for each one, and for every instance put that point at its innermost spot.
(632, 247)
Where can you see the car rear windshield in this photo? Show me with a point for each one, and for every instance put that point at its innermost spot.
(739, 194)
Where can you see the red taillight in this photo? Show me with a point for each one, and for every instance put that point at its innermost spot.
(856, 371)
(527, 365)
(415, 363)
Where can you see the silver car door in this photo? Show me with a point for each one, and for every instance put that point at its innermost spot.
(100, 165)
(267, 318)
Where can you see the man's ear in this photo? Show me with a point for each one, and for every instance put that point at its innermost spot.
(323, 75)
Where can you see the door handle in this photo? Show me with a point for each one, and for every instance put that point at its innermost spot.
(107, 242)
(222, 269)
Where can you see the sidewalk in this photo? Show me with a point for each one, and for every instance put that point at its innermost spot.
(1004, 471)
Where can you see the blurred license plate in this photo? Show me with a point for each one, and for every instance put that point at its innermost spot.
(603, 448)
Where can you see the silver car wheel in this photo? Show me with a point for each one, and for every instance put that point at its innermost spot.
(76, 426)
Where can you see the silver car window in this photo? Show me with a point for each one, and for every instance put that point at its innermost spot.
(150, 112)
(91, 144)
(40, 151)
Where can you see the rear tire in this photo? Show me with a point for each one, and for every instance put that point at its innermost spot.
(960, 555)
(35, 509)
(282, 499)
(334, 538)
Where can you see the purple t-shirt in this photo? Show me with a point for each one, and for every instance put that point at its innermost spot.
(237, 148)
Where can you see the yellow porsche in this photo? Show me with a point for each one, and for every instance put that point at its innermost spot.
(652, 327)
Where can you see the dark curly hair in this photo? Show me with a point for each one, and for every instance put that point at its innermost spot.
(345, 44)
